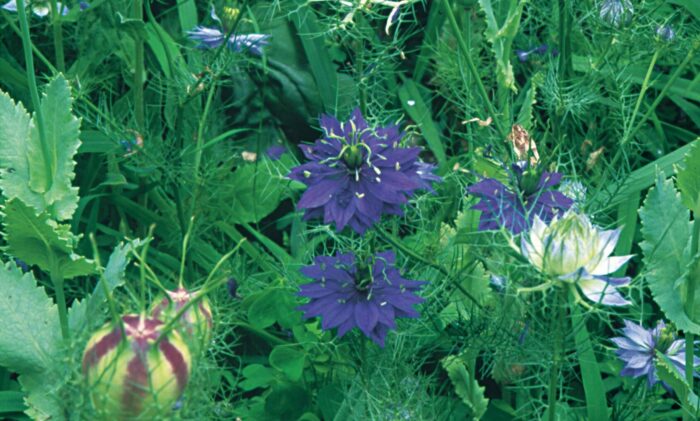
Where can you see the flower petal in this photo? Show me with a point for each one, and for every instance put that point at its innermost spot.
(602, 292)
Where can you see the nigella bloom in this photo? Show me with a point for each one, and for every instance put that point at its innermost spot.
(573, 251)
(369, 295)
(515, 207)
(666, 33)
(637, 349)
(357, 173)
(39, 8)
(616, 12)
(214, 37)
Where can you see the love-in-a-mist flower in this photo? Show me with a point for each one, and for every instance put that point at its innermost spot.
(357, 173)
(514, 207)
(368, 294)
(637, 349)
(213, 37)
(616, 12)
(572, 250)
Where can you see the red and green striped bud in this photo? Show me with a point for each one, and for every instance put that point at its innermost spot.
(134, 373)
(195, 323)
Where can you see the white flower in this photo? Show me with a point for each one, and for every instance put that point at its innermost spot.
(39, 8)
(573, 250)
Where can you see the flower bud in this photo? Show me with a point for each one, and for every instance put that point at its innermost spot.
(135, 373)
(195, 323)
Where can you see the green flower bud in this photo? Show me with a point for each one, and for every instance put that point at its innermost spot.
(195, 324)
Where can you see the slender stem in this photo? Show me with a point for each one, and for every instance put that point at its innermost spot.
(689, 309)
(558, 329)
(472, 68)
(139, 71)
(57, 281)
(642, 92)
(57, 35)
(33, 90)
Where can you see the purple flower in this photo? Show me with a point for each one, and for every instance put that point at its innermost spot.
(274, 152)
(522, 55)
(369, 295)
(232, 287)
(514, 208)
(637, 349)
(213, 38)
(357, 173)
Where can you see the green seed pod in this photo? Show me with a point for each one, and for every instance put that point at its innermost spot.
(195, 323)
(131, 374)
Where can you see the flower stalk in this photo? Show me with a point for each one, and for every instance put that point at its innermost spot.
(689, 309)
(139, 70)
(57, 35)
(561, 301)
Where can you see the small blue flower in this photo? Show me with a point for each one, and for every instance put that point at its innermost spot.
(637, 349)
(369, 295)
(213, 38)
(666, 33)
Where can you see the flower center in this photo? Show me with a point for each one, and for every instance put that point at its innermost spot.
(353, 157)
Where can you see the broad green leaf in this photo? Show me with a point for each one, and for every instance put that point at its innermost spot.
(34, 238)
(51, 175)
(29, 333)
(257, 191)
(590, 372)
(288, 360)
(666, 232)
(689, 179)
(668, 373)
(466, 386)
(256, 375)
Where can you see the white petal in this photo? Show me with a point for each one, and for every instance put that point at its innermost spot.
(609, 265)
(41, 11)
(10, 5)
(601, 292)
(531, 252)
(608, 241)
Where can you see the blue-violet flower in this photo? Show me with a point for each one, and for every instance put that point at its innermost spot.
(369, 295)
(357, 173)
(514, 208)
(637, 349)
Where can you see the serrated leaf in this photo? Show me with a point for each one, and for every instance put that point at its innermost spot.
(52, 175)
(668, 373)
(33, 238)
(501, 39)
(43, 184)
(466, 386)
(43, 401)
(688, 179)
(85, 314)
(29, 332)
(666, 248)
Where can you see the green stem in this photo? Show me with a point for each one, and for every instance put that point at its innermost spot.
(57, 36)
(642, 92)
(33, 90)
(58, 285)
(558, 329)
(139, 70)
(472, 68)
(689, 309)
